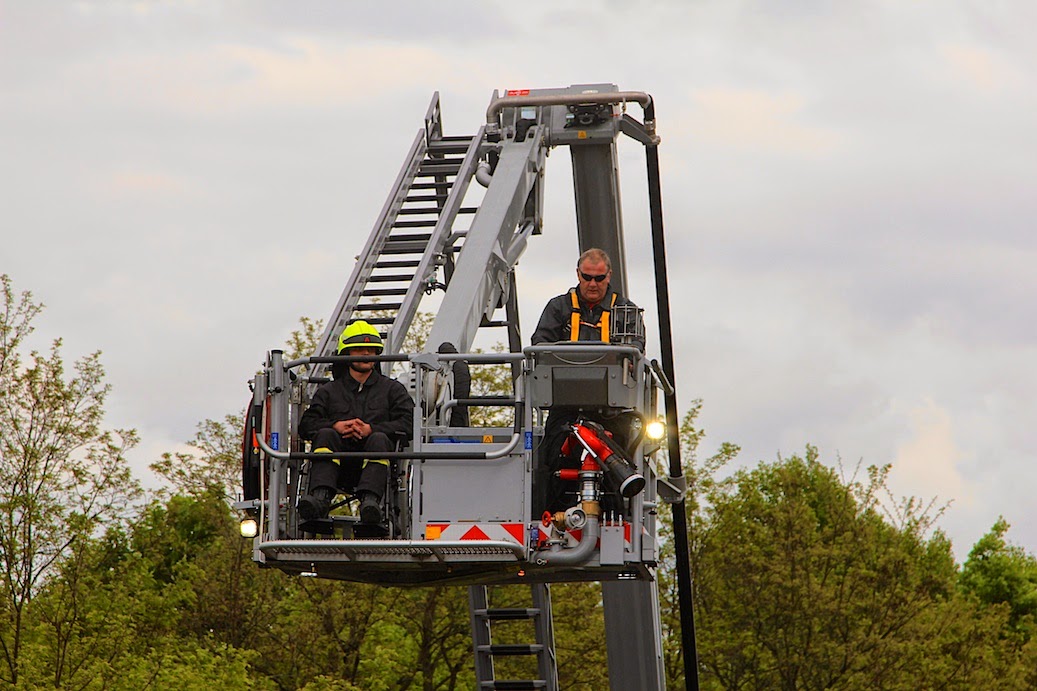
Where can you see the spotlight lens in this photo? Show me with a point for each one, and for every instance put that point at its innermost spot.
(656, 430)
(249, 527)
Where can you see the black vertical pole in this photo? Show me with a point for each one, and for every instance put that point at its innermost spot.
(682, 554)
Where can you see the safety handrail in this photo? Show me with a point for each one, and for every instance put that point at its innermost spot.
(582, 347)
(395, 455)
(424, 359)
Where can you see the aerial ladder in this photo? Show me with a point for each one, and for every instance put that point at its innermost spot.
(463, 504)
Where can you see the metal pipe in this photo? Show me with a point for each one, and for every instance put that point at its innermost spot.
(682, 554)
(497, 104)
(502, 401)
(278, 430)
(331, 359)
(557, 555)
(420, 358)
(396, 455)
(483, 175)
(582, 347)
(482, 358)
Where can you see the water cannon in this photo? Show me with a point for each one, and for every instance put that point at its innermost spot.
(620, 471)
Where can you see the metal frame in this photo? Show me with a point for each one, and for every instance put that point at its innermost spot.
(508, 154)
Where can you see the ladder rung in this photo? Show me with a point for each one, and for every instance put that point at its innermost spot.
(429, 169)
(503, 614)
(432, 185)
(514, 684)
(379, 320)
(383, 292)
(418, 212)
(441, 161)
(453, 146)
(427, 223)
(393, 246)
(373, 306)
(409, 237)
(404, 248)
(506, 649)
(390, 278)
(427, 198)
(397, 264)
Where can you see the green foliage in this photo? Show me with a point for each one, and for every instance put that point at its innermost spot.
(492, 380)
(998, 572)
(812, 584)
(62, 476)
(303, 341)
(215, 463)
(805, 580)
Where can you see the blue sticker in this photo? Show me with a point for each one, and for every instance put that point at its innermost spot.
(529, 441)
(274, 441)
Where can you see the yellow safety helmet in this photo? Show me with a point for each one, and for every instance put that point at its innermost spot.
(360, 334)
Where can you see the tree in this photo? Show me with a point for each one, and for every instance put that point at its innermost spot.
(702, 478)
(62, 476)
(215, 463)
(998, 572)
(806, 581)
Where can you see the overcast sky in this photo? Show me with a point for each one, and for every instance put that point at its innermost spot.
(849, 194)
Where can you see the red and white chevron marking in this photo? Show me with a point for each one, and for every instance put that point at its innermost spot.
(507, 532)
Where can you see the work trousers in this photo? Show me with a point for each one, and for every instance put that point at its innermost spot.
(351, 474)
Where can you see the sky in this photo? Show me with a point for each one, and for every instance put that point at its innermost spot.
(848, 190)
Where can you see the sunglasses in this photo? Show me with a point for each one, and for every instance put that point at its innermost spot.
(596, 278)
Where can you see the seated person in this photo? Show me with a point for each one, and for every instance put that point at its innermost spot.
(581, 314)
(360, 410)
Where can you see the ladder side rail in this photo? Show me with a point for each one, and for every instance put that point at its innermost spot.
(486, 257)
(440, 236)
(433, 120)
(547, 660)
(365, 261)
(478, 601)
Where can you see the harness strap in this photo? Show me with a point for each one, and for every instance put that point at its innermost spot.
(605, 333)
(602, 325)
(574, 321)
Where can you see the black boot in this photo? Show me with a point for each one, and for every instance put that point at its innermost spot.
(370, 509)
(316, 503)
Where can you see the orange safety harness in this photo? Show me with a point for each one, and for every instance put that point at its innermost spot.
(575, 321)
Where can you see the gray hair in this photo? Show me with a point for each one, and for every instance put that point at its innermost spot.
(595, 255)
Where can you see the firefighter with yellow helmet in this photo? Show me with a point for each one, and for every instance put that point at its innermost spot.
(360, 410)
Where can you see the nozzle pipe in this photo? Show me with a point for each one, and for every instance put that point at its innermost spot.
(610, 457)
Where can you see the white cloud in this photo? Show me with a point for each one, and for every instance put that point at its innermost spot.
(757, 121)
(927, 464)
(982, 68)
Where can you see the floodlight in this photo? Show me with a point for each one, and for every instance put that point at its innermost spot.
(655, 430)
(249, 527)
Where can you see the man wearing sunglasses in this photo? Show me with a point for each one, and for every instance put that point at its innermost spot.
(584, 313)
